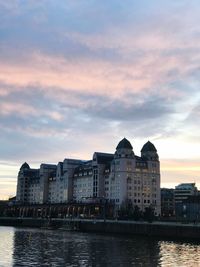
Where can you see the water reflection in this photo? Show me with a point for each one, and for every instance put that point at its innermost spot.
(179, 254)
(6, 245)
(54, 248)
(34, 247)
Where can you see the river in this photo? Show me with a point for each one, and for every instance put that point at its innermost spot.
(38, 247)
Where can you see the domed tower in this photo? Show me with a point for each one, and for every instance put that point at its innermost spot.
(124, 149)
(121, 169)
(149, 152)
(25, 166)
(21, 195)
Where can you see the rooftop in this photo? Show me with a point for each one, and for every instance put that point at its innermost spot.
(124, 143)
(186, 186)
(148, 147)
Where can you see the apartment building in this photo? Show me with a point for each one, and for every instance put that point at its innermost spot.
(115, 177)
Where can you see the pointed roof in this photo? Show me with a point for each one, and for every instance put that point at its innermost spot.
(148, 147)
(124, 143)
(25, 166)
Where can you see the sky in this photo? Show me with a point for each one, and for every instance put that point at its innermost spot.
(78, 76)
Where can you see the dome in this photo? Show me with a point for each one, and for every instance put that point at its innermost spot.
(124, 143)
(148, 147)
(25, 166)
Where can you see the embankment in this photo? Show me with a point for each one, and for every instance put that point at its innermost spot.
(154, 229)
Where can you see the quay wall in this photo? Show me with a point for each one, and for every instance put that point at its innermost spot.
(166, 230)
(31, 222)
(154, 229)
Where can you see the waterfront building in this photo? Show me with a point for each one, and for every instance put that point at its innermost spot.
(89, 177)
(32, 184)
(3, 205)
(135, 178)
(189, 209)
(107, 177)
(167, 202)
(183, 191)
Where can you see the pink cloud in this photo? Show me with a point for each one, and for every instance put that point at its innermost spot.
(96, 77)
(144, 64)
(22, 109)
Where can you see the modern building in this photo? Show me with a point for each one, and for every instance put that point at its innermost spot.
(181, 194)
(114, 177)
(189, 209)
(183, 191)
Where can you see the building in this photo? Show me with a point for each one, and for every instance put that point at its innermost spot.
(3, 206)
(183, 191)
(135, 178)
(114, 177)
(189, 209)
(32, 184)
(167, 202)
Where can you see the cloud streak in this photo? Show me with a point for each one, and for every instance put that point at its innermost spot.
(76, 77)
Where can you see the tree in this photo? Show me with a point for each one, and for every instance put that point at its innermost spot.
(149, 214)
(137, 214)
(129, 211)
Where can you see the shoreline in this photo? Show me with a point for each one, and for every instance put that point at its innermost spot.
(172, 230)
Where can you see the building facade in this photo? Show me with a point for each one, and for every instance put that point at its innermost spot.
(167, 202)
(181, 194)
(114, 177)
(183, 191)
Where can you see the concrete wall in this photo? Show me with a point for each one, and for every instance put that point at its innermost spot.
(155, 229)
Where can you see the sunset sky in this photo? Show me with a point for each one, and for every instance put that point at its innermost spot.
(78, 76)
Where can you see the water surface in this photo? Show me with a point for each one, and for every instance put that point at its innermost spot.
(36, 247)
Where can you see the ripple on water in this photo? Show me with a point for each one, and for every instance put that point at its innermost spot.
(179, 254)
(34, 247)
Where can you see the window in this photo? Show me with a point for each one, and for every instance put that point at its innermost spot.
(129, 180)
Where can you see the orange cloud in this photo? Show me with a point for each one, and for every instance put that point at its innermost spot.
(181, 165)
